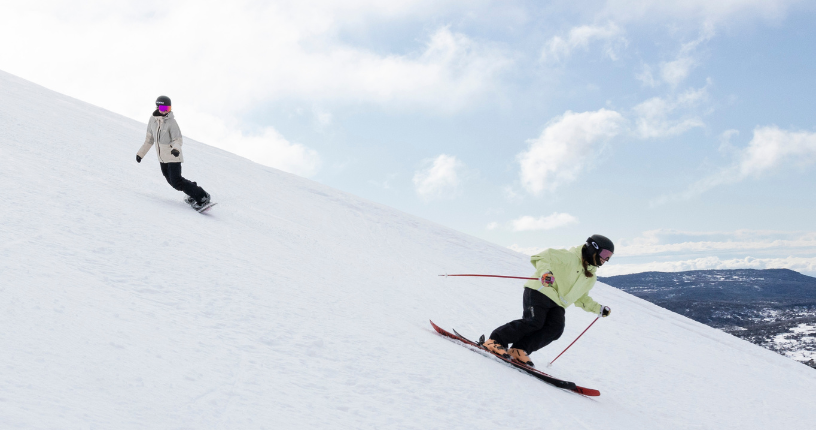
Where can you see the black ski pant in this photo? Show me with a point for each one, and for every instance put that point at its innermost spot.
(172, 172)
(541, 323)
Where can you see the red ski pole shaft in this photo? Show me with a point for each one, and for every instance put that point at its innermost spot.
(494, 276)
(576, 340)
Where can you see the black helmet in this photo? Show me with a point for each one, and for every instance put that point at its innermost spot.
(596, 243)
(163, 101)
(593, 247)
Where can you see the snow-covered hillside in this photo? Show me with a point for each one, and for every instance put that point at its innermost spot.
(294, 305)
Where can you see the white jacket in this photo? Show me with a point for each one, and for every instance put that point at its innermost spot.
(164, 130)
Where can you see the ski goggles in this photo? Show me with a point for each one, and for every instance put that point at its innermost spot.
(163, 108)
(605, 255)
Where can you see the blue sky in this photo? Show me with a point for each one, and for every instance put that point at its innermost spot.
(683, 130)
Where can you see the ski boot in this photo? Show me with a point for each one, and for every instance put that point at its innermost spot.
(521, 356)
(496, 348)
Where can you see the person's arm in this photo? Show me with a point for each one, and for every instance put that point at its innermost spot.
(542, 263)
(542, 267)
(175, 136)
(588, 304)
(147, 143)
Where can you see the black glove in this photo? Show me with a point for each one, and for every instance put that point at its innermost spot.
(605, 311)
(138, 159)
(175, 152)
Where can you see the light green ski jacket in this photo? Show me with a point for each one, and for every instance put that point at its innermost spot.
(570, 286)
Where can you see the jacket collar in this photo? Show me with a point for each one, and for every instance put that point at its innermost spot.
(577, 251)
(159, 115)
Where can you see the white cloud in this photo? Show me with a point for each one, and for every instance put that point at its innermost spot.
(669, 250)
(654, 114)
(268, 147)
(261, 51)
(698, 10)
(323, 118)
(770, 150)
(726, 146)
(677, 250)
(225, 59)
(675, 242)
(565, 148)
(512, 194)
(556, 220)
(799, 264)
(440, 179)
(559, 48)
(385, 184)
(647, 77)
(676, 71)
(272, 149)
(492, 226)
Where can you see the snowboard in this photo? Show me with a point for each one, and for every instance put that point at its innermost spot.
(200, 210)
(560, 383)
(206, 208)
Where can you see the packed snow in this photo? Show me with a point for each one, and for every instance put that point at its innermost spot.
(295, 305)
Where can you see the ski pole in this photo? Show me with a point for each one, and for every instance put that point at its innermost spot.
(576, 340)
(493, 276)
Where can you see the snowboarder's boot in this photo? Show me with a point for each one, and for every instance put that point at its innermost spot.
(521, 356)
(496, 348)
(203, 202)
(189, 200)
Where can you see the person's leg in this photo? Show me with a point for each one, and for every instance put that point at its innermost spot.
(531, 321)
(191, 188)
(551, 330)
(166, 171)
(172, 172)
(178, 182)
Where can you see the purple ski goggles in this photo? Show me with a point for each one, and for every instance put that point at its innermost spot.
(605, 255)
(163, 108)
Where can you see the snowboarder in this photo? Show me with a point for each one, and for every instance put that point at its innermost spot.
(163, 130)
(564, 278)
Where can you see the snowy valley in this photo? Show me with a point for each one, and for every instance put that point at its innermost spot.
(295, 305)
(773, 308)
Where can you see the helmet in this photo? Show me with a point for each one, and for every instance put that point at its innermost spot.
(596, 243)
(163, 101)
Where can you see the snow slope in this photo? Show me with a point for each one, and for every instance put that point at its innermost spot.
(294, 304)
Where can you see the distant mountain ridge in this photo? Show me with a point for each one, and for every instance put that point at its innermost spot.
(773, 308)
(777, 286)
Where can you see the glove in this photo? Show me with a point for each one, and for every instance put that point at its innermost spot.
(175, 152)
(138, 159)
(605, 311)
(547, 279)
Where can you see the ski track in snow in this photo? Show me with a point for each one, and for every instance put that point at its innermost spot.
(293, 304)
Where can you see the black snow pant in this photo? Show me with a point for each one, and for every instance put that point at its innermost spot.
(541, 323)
(172, 172)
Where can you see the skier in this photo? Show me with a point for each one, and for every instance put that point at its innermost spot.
(164, 130)
(565, 277)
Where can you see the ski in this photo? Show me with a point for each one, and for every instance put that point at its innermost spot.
(560, 383)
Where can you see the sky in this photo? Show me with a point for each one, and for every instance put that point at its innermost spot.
(682, 130)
